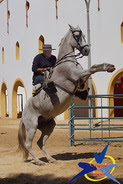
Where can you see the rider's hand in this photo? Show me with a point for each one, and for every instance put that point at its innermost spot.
(47, 68)
(43, 69)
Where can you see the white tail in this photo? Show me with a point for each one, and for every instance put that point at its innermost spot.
(21, 140)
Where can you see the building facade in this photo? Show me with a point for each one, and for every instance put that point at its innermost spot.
(25, 25)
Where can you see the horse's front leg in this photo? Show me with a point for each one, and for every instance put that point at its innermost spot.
(102, 67)
(96, 68)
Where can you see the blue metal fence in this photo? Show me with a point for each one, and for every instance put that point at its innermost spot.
(104, 126)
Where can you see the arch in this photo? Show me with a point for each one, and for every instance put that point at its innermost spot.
(3, 56)
(121, 28)
(40, 44)
(78, 102)
(17, 51)
(111, 89)
(15, 112)
(4, 100)
(94, 91)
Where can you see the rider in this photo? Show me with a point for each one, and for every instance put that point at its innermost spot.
(42, 63)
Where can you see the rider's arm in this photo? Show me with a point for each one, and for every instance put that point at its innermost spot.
(43, 69)
(38, 64)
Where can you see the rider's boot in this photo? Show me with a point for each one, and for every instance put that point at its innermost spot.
(82, 94)
(36, 87)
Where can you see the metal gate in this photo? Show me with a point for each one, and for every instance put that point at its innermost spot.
(107, 125)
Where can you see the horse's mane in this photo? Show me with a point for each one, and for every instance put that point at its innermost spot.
(62, 40)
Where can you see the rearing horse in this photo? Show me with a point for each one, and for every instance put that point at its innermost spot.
(40, 111)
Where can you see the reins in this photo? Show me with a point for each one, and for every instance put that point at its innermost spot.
(58, 63)
(61, 60)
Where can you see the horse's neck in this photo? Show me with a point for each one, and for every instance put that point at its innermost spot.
(65, 47)
(60, 74)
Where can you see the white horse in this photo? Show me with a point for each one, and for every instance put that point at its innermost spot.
(40, 111)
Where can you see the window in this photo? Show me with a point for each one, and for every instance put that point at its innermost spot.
(121, 27)
(17, 51)
(3, 55)
(40, 43)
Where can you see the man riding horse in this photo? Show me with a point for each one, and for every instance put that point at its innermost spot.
(39, 111)
(41, 64)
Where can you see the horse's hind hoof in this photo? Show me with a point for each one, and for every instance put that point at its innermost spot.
(51, 160)
(39, 163)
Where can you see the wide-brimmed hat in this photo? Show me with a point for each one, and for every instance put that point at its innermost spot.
(47, 47)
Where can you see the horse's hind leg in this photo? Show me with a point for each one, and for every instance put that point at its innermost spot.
(28, 145)
(46, 129)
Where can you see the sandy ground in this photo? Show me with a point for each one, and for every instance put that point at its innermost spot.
(13, 170)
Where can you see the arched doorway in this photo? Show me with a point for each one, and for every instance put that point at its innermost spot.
(18, 98)
(4, 101)
(116, 87)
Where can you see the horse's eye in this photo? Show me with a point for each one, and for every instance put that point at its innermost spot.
(76, 36)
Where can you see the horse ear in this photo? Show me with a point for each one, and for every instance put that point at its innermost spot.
(78, 28)
(71, 27)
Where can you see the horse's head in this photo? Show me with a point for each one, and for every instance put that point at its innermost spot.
(78, 40)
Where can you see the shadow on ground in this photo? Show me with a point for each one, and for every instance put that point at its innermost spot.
(70, 156)
(48, 179)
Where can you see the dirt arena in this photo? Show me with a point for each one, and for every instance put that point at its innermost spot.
(13, 170)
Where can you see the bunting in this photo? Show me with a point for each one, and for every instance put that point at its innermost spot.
(56, 5)
(26, 13)
(8, 15)
(98, 5)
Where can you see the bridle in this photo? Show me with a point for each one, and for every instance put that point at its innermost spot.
(61, 60)
(77, 38)
(79, 47)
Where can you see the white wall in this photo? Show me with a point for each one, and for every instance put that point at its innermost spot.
(105, 36)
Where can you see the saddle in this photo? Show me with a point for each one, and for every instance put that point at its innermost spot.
(50, 88)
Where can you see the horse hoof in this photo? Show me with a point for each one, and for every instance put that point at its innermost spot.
(111, 69)
(39, 163)
(51, 160)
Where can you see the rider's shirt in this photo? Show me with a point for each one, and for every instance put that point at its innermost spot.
(41, 62)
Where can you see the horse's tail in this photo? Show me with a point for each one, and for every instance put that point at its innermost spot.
(21, 140)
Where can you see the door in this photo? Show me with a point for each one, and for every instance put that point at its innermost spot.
(118, 89)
